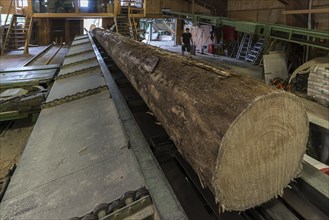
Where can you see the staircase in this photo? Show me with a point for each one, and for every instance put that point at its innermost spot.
(255, 52)
(244, 47)
(126, 24)
(18, 34)
(122, 25)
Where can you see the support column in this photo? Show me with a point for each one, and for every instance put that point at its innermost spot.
(179, 30)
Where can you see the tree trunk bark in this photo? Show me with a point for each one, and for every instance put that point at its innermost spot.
(245, 140)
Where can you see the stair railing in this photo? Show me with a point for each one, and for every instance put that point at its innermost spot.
(4, 26)
(116, 24)
(132, 24)
(28, 35)
(13, 20)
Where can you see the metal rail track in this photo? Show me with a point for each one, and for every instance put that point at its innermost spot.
(301, 201)
(27, 63)
(45, 56)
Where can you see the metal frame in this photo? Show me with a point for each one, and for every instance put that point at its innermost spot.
(269, 31)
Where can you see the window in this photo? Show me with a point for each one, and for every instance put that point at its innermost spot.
(84, 3)
(3, 19)
(22, 3)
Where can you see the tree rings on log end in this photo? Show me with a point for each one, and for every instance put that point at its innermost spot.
(261, 152)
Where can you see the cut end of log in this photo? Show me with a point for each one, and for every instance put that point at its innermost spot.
(261, 152)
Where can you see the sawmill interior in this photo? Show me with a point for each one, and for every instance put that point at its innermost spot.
(164, 109)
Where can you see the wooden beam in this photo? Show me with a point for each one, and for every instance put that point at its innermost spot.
(317, 114)
(76, 6)
(117, 6)
(307, 11)
(284, 2)
(73, 15)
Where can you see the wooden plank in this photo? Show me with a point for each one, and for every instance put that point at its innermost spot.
(243, 15)
(317, 114)
(315, 178)
(45, 31)
(317, 164)
(239, 5)
(307, 11)
(284, 2)
(25, 79)
(305, 208)
(275, 67)
(30, 68)
(73, 15)
(313, 83)
(12, 115)
(314, 184)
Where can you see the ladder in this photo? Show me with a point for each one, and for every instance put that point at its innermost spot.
(18, 34)
(255, 52)
(244, 47)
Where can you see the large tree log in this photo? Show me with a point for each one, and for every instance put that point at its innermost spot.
(245, 140)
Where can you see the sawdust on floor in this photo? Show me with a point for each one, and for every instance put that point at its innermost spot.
(13, 139)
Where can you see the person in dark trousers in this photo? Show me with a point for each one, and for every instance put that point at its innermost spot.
(186, 41)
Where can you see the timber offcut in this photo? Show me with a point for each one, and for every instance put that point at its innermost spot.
(244, 139)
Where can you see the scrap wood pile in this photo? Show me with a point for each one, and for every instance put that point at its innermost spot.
(317, 73)
(318, 84)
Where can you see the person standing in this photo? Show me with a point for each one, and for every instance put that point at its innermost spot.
(186, 41)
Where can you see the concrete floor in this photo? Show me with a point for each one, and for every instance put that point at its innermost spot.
(13, 140)
(228, 63)
(15, 134)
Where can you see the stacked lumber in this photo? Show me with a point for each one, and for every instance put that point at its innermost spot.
(245, 140)
(318, 84)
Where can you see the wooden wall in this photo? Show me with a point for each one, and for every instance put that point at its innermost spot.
(5, 6)
(297, 20)
(321, 21)
(58, 30)
(43, 27)
(154, 7)
(257, 10)
(14, 7)
(271, 11)
(219, 5)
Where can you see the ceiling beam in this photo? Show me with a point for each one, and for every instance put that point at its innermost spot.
(307, 11)
(284, 2)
